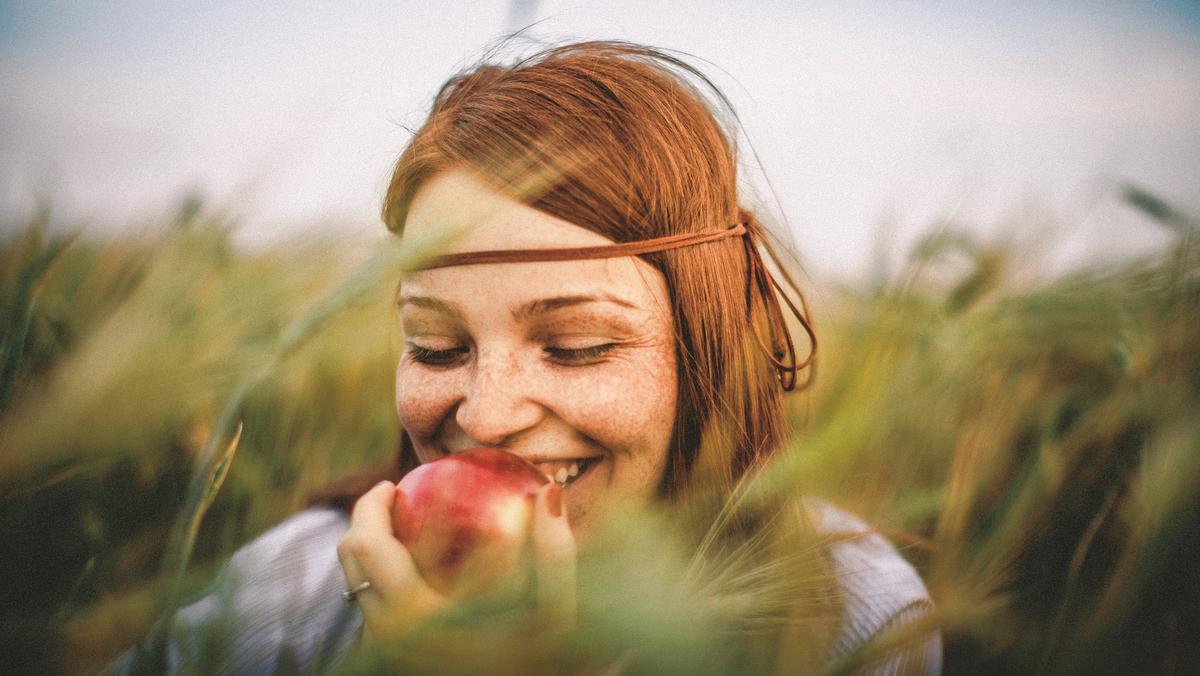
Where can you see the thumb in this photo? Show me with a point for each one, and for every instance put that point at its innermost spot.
(554, 555)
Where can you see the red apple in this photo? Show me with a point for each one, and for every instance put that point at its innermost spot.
(465, 518)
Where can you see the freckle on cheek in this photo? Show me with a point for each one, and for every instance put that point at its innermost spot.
(419, 408)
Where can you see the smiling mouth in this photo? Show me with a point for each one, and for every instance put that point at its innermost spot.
(566, 472)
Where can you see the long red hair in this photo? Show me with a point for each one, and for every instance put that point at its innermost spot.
(626, 141)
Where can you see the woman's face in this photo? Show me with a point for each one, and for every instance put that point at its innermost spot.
(570, 364)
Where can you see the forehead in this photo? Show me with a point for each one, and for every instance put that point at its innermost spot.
(458, 202)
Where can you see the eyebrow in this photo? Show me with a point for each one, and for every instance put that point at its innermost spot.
(544, 305)
(526, 311)
(430, 304)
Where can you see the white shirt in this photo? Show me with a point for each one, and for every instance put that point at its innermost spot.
(278, 608)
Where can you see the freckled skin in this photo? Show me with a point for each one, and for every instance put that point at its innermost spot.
(506, 386)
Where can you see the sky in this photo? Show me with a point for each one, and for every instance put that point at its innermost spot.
(869, 120)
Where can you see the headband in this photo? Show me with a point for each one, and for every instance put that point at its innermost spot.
(782, 352)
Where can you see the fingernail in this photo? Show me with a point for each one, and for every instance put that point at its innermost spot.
(385, 481)
(554, 500)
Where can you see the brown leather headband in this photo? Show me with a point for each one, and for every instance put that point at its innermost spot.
(637, 248)
(782, 350)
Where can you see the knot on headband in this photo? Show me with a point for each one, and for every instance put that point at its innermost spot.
(779, 347)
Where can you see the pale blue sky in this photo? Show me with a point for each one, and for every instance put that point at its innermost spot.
(863, 112)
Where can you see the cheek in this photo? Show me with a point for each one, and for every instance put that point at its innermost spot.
(657, 401)
(422, 401)
(631, 412)
(643, 409)
(630, 408)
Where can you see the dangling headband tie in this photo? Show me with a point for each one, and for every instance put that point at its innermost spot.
(782, 351)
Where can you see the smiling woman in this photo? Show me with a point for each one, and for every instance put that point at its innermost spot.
(564, 363)
(607, 315)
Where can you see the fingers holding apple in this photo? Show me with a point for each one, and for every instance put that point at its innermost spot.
(554, 554)
(398, 598)
(477, 524)
(485, 522)
(466, 519)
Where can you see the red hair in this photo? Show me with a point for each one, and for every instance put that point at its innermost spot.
(619, 139)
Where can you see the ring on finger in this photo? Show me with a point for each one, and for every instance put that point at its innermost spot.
(350, 593)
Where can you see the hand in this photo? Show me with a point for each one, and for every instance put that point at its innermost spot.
(554, 555)
(399, 599)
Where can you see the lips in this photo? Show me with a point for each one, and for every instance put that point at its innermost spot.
(566, 471)
(563, 470)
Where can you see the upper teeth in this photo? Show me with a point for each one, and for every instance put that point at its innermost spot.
(564, 473)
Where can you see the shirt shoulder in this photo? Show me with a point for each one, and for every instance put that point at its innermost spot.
(275, 607)
(879, 588)
(282, 595)
(296, 547)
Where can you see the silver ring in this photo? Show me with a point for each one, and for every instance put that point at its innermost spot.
(349, 594)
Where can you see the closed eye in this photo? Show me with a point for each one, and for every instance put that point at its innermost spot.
(581, 356)
(437, 357)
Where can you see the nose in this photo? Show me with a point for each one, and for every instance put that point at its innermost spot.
(498, 402)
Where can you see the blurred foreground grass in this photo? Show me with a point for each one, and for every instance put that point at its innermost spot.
(1033, 444)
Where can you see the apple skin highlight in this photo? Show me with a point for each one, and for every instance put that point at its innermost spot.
(465, 518)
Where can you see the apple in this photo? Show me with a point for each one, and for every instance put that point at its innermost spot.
(465, 518)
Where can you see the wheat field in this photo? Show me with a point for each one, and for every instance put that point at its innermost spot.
(1029, 440)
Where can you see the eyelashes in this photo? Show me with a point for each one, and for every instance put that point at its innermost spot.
(582, 356)
(437, 357)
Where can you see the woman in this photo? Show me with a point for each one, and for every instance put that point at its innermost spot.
(605, 313)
